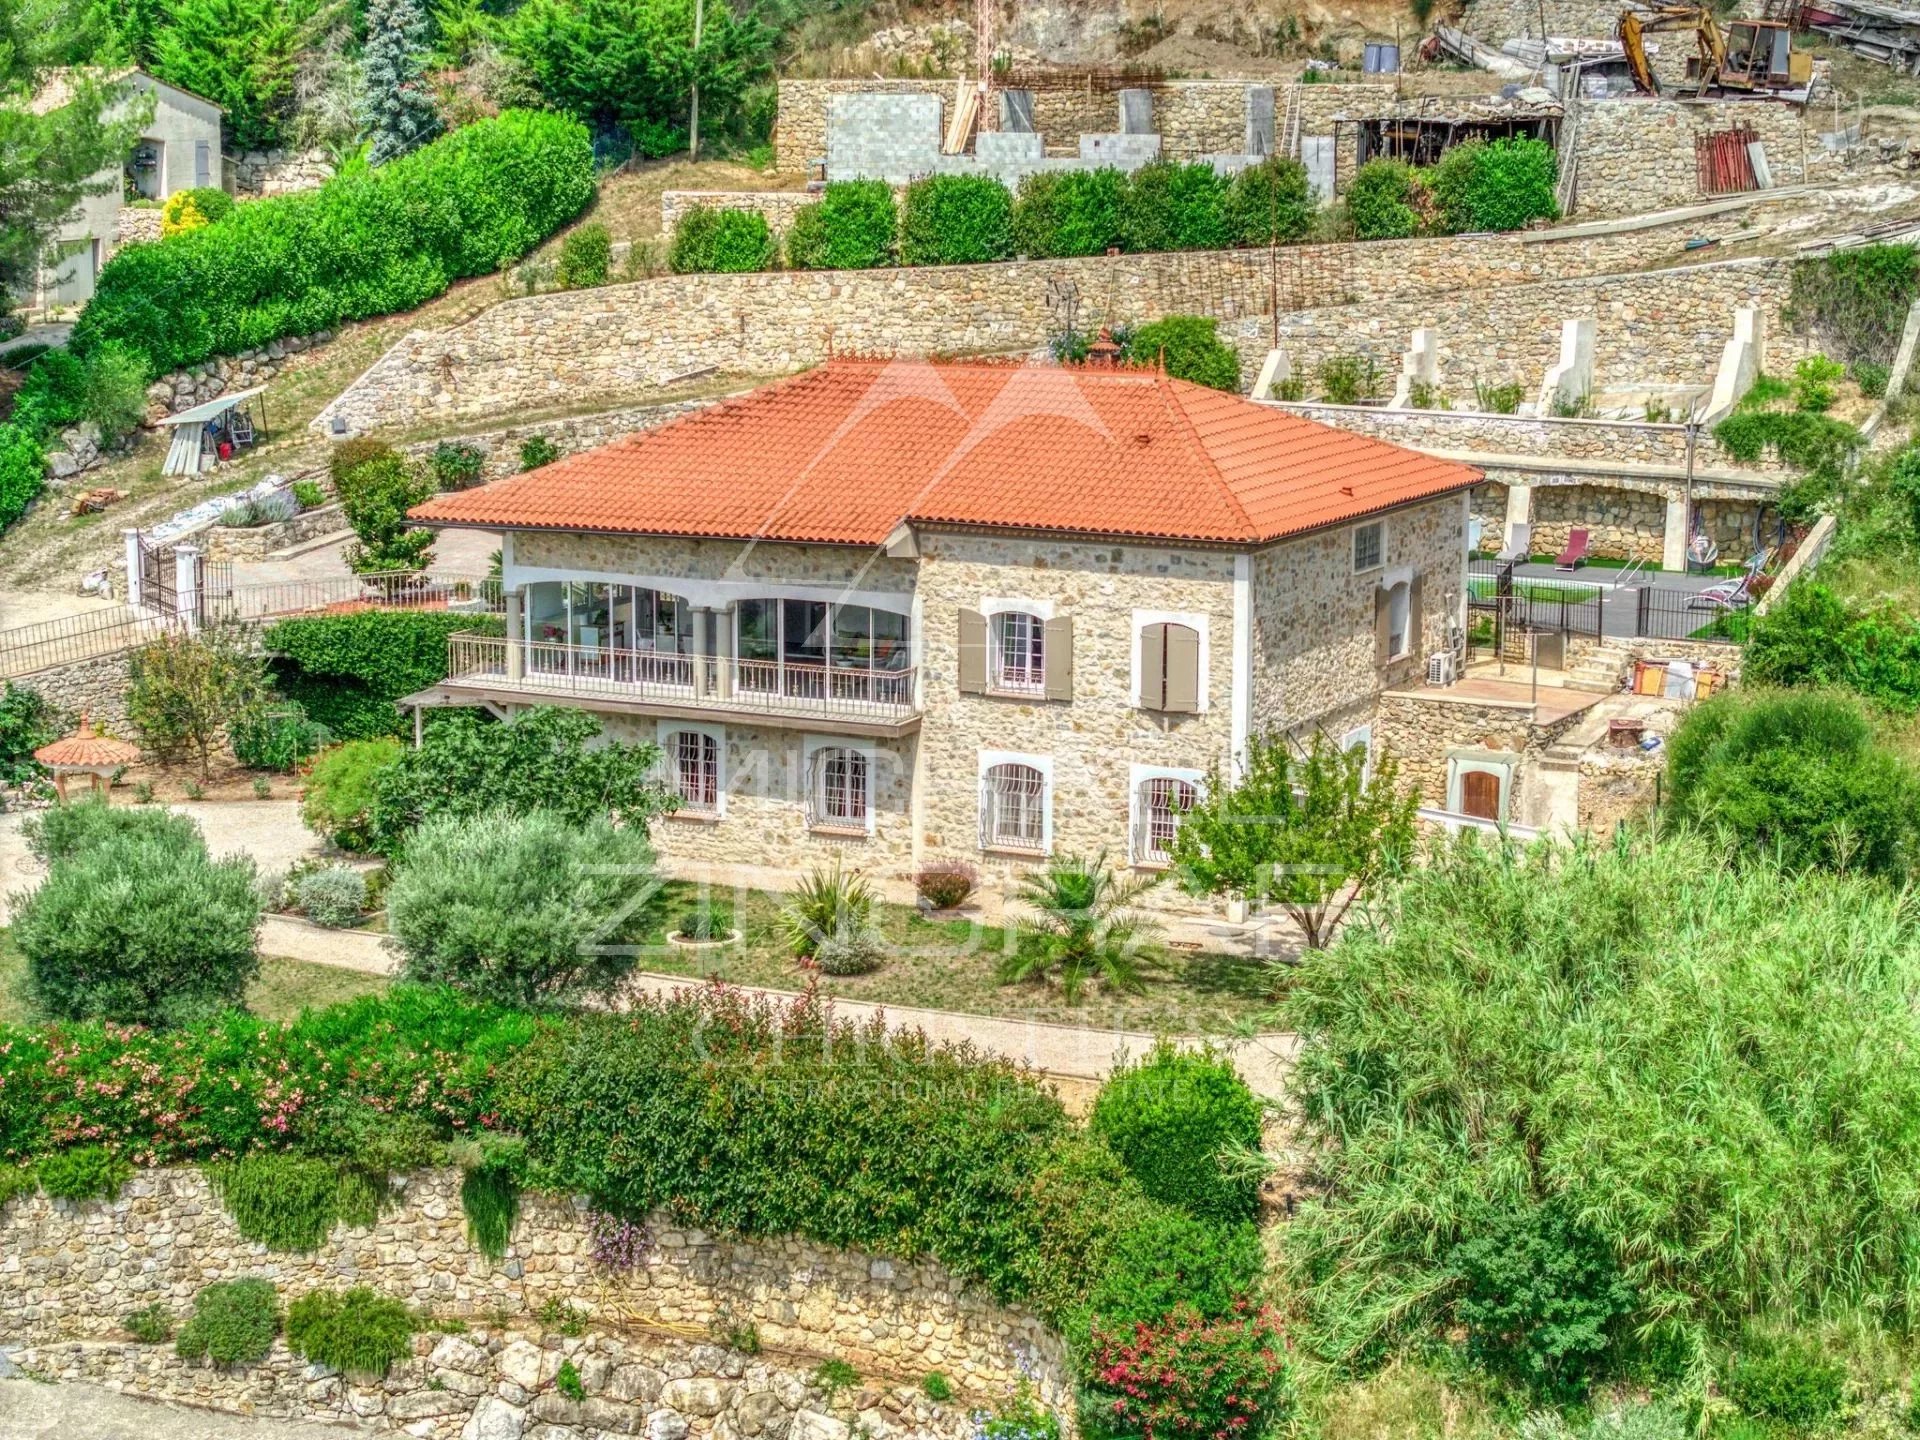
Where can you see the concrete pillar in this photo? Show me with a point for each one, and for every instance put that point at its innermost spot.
(516, 634)
(702, 651)
(1419, 365)
(186, 584)
(1275, 368)
(723, 648)
(131, 539)
(1673, 542)
(1571, 379)
(1739, 363)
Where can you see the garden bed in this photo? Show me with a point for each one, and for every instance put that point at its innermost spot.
(950, 963)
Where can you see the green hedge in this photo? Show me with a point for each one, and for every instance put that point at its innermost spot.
(367, 243)
(850, 227)
(722, 242)
(956, 220)
(1175, 207)
(1071, 212)
(347, 670)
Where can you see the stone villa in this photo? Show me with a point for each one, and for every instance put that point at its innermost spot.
(908, 611)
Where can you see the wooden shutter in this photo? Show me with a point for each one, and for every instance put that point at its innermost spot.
(1382, 625)
(1182, 694)
(1415, 630)
(1480, 794)
(1059, 658)
(973, 653)
(1153, 667)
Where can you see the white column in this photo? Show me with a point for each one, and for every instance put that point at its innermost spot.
(723, 647)
(1673, 546)
(131, 539)
(186, 584)
(703, 651)
(516, 634)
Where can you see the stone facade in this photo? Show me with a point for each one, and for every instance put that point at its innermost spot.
(1659, 328)
(96, 687)
(280, 172)
(137, 224)
(1430, 732)
(616, 340)
(257, 542)
(70, 1272)
(567, 434)
(778, 206)
(1636, 153)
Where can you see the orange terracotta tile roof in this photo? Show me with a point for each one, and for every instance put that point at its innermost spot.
(845, 452)
(85, 750)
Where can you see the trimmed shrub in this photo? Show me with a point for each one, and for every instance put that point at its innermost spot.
(1225, 1379)
(277, 737)
(338, 798)
(456, 467)
(90, 1172)
(186, 210)
(1784, 1378)
(141, 929)
(333, 895)
(721, 242)
(1800, 778)
(850, 227)
(956, 220)
(1270, 203)
(233, 1323)
(375, 496)
(1169, 206)
(349, 669)
(1071, 212)
(1511, 184)
(946, 884)
(1190, 348)
(586, 257)
(61, 832)
(1540, 1297)
(520, 909)
(358, 1332)
(1386, 201)
(854, 952)
(1163, 1258)
(368, 242)
(1173, 1119)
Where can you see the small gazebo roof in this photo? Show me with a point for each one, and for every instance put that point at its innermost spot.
(84, 750)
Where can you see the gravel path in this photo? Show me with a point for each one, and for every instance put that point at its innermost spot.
(32, 1410)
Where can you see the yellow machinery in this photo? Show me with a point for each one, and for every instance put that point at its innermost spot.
(1748, 56)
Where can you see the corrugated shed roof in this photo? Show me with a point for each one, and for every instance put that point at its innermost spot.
(845, 452)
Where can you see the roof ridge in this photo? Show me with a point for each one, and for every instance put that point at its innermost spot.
(1165, 383)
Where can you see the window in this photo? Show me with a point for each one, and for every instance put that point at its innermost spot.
(694, 758)
(1013, 808)
(1163, 801)
(840, 779)
(1018, 654)
(1369, 546)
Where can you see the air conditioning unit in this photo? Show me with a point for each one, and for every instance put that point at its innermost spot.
(1441, 669)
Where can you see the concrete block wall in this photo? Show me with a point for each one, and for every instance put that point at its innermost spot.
(883, 136)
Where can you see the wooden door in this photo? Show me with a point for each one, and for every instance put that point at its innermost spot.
(1480, 794)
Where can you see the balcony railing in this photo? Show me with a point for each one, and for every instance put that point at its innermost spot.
(766, 686)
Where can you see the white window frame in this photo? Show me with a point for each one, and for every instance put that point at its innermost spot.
(670, 766)
(1034, 683)
(991, 760)
(1380, 558)
(1139, 777)
(812, 749)
(1193, 621)
(1499, 763)
(1400, 604)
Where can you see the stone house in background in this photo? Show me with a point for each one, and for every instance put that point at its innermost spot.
(178, 149)
(901, 611)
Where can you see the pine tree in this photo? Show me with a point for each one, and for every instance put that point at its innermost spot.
(399, 113)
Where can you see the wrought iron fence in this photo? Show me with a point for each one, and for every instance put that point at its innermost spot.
(1722, 614)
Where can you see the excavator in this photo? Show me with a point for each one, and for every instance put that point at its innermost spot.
(1748, 57)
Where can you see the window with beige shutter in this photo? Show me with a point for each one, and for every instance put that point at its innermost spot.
(1170, 668)
(972, 667)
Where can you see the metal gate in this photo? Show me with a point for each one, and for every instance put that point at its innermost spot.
(212, 592)
(157, 590)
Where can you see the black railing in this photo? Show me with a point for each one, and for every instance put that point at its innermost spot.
(1722, 614)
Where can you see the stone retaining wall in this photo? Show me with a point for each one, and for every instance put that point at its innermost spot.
(616, 340)
(1664, 327)
(72, 1271)
(1636, 153)
(569, 434)
(257, 542)
(136, 224)
(779, 206)
(200, 383)
(1421, 730)
(280, 172)
(97, 686)
(1475, 432)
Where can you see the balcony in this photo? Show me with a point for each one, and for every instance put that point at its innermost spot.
(483, 668)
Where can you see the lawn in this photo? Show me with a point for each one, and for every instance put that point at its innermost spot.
(951, 965)
(283, 989)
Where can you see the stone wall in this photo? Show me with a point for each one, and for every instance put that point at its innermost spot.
(1497, 20)
(1425, 730)
(73, 1271)
(137, 224)
(257, 542)
(800, 125)
(210, 379)
(97, 687)
(778, 206)
(1472, 432)
(1664, 327)
(572, 346)
(568, 434)
(1636, 153)
(280, 172)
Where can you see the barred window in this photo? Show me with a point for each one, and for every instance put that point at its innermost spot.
(1013, 808)
(1163, 801)
(1019, 652)
(1369, 546)
(840, 789)
(696, 770)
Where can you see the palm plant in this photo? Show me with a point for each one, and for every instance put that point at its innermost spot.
(828, 904)
(1083, 929)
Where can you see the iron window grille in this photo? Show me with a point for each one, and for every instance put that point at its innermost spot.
(1013, 809)
(839, 798)
(1163, 801)
(696, 770)
(1019, 657)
